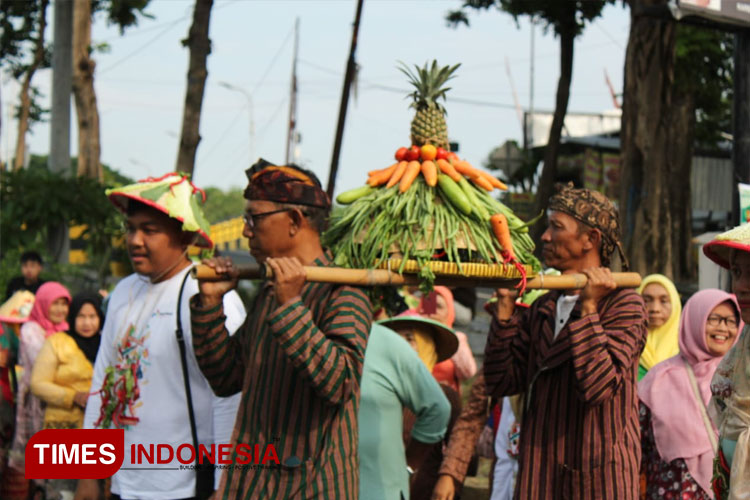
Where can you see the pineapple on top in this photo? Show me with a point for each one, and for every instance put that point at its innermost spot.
(428, 125)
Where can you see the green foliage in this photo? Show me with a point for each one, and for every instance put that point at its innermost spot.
(122, 13)
(428, 83)
(19, 26)
(35, 201)
(704, 66)
(222, 205)
(560, 16)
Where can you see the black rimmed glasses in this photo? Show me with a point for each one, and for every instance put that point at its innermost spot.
(715, 320)
(250, 217)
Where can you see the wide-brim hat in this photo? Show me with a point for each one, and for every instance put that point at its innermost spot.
(446, 342)
(172, 194)
(720, 248)
(17, 308)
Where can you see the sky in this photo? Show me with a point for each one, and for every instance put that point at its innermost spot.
(140, 83)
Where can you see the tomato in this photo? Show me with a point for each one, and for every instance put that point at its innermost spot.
(413, 153)
(442, 154)
(453, 156)
(428, 152)
(401, 154)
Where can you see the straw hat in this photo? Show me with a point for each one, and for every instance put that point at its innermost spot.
(17, 308)
(720, 248)
(172, 194)
(446, 342)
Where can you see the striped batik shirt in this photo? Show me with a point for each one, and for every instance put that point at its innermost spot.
(580, 435)
(298, 366)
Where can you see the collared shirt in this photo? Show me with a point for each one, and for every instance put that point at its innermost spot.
(580, 433)
(298, 366)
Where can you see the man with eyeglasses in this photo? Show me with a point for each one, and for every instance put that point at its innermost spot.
(298, 358)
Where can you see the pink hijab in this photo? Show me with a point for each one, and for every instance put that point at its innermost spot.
(448, 296)
(679, 431)
(45, 296)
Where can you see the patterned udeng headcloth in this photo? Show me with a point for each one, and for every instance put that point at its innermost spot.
(282, 184)
(595, 210)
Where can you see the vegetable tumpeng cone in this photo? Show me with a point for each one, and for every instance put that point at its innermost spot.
(429, 206)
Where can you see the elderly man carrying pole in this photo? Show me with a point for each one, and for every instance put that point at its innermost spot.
(298, 358)
(575, 355)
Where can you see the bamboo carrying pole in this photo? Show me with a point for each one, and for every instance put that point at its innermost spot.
(384, 277)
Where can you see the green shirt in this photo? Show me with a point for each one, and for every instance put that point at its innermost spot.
(394, 378)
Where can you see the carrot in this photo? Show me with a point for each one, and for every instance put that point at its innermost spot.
(501, 231)
(411, 173)
(494, 180)
(379, 177)
(465, 168)
(482, 182)
(397, 174)
(429, 171)
(446, 168)
(380, 171)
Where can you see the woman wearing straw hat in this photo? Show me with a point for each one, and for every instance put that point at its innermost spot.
(730, 386)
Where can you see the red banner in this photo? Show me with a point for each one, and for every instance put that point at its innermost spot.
(75, 453)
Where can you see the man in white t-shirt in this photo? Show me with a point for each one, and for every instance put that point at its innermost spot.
(139, 349)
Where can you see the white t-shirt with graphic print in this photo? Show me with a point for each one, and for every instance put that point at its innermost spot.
(139, 330)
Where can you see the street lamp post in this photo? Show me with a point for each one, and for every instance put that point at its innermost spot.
(249, 98)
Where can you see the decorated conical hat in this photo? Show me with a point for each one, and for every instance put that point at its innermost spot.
(17, 308)
(172, 194)
(446, 342)
(720, 248)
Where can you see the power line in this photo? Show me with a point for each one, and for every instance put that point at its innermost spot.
(223, 135)
(166, 30)
(275, 115)
(608, 35)
(462, 100)
(387, 88)
(273, 62)
(141, 48)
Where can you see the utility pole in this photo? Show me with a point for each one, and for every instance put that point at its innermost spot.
(741, 118)
(291, 136)
(350, 67)
(62, 86)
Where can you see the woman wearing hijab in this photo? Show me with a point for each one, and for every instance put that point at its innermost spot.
(663, 308)
(48, 316)
(678, 441)
(730, 387)
(461, 366)
(64, 367)
(62, 374)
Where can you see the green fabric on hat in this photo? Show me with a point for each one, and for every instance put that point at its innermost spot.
(172, 194)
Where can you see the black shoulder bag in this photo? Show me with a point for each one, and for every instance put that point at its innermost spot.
(204, 473)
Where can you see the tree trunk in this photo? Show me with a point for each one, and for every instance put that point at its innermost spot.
(649, 166)
(25, 98)
(551, 152)
(89, 148)
(681, 148)
(200, 46)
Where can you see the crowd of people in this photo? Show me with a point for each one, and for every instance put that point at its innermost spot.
(598, 393)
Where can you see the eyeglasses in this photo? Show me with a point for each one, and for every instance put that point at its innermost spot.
(730, 321)
(250, 218)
